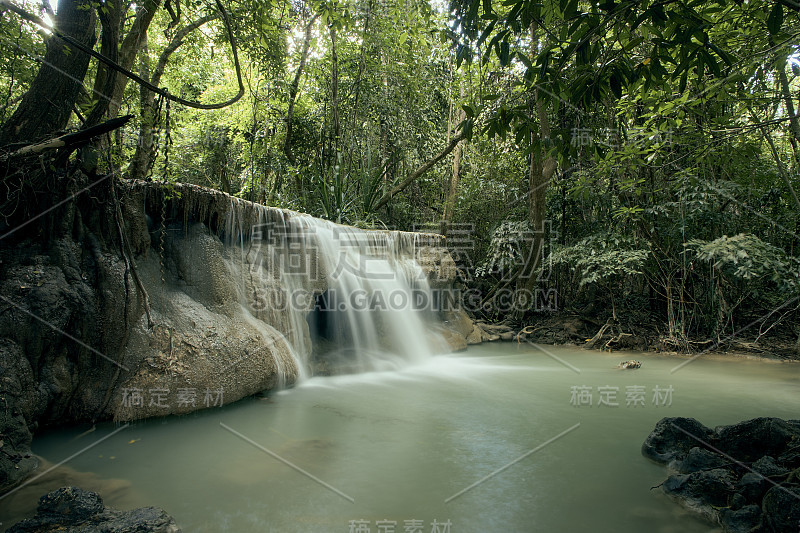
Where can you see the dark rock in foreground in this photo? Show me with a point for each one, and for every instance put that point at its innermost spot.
(74, 510)
(745, 477)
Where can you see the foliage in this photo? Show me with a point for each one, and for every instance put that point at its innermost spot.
(746, 257)
(506, 249)
(672, 124)
(601, 257)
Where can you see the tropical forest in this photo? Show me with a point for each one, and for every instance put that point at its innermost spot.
(400, 265)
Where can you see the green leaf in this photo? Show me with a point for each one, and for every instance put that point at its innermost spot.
(633, 44)
(527, 62)
(461, 54)
(486, 33)
(505, 58)
(571, 9)
(775, 19)
(616, 86)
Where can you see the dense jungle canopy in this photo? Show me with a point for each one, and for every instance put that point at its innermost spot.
(637, 157)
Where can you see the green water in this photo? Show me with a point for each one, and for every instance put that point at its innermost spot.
(404, 445)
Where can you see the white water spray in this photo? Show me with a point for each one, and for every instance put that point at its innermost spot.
(344, 299)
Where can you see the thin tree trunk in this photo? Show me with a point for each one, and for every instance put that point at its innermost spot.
(48, 104)
(110, 15)
(109, 83)
(794, 122)
(140, 163)
(131, 46)
(144, 157)
(361, 65)
(335, 89)
(452, 190)
(422, 169)
(539, 174)
(295, 88)
(781, 168)
(388, 173)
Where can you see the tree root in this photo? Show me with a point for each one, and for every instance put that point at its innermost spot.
(611, 324)
(599, 335)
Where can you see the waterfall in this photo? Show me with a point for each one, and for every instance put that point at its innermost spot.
(345, 299)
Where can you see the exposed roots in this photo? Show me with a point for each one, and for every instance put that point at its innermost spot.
(613, 325)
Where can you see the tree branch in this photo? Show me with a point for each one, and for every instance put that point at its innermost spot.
(420, 171)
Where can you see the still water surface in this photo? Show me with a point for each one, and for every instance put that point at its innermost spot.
(404, 446)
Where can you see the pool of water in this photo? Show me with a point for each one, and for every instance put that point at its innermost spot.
(499, 438)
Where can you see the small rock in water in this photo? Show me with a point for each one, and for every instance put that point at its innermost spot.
(627, 365)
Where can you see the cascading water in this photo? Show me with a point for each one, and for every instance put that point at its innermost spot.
(345, 299)
(377, 297)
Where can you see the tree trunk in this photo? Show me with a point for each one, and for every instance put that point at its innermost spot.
(141, 161)
(110, 84)
(388, 173)
(451, 193)
(794, 122)
(540, 171)
(335, 90)
(295, 88)
(145, 154)
(48, 104)
(131, 46)
(356, 88)
(422, 169)
(110, 16)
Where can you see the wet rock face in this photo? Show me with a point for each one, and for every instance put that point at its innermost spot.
(183, 321)
(672, 438)
(74, 510)
(745, 477)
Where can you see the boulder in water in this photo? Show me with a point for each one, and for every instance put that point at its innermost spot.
(72, 509)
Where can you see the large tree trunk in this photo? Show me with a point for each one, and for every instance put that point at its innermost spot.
(48, 104)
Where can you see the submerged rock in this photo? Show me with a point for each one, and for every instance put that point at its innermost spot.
(740, 476)
(74, 510)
